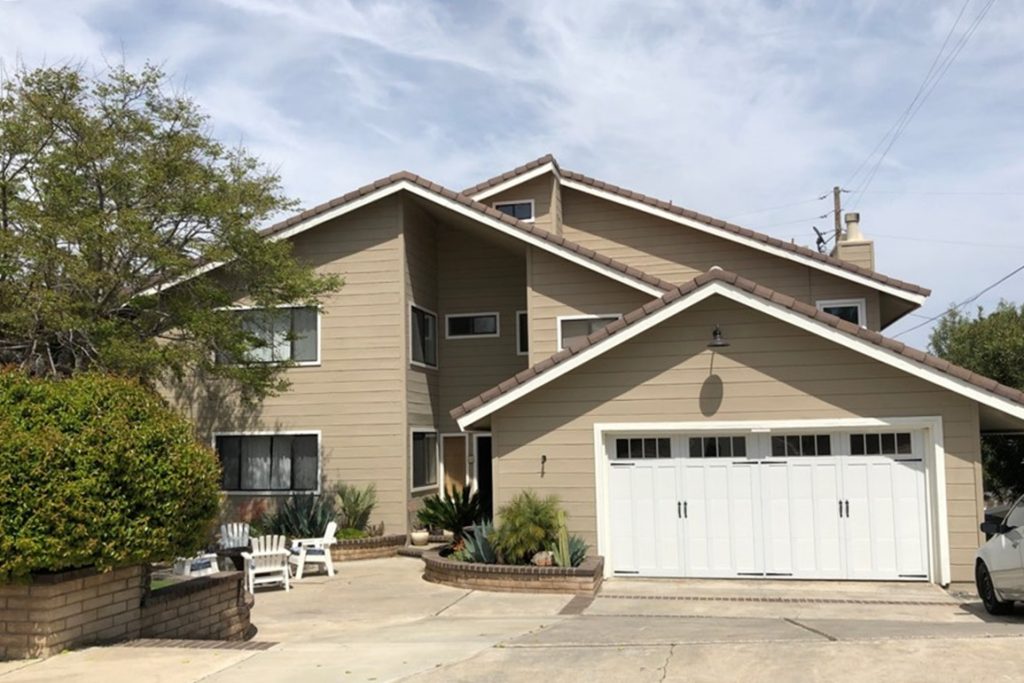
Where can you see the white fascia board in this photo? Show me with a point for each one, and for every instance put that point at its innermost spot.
(517, 180)
(916, 299)
(457, 207)
(881, 354)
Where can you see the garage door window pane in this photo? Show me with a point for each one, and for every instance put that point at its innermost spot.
(664, 448)
(824, 444)
(857, 444)
(643, 447)
(718, 447)
(903, 443)
(888, 444)
(621, 448)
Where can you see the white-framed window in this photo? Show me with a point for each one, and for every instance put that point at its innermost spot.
(269, 462)
(850, 310)
(519, 208)
(423, 459)
(284, 333)
(470, 325)
(422, 337)
(522, 333)
(572, 327)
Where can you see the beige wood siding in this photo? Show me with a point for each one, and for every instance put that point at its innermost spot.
(677, 253)
(351, 396)
(559, 288)
(543, 190)
(422, 384)
(772, 371)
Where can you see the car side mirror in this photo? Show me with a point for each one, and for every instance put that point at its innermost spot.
(991, 528)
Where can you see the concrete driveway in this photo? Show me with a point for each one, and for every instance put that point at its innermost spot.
(378, 621)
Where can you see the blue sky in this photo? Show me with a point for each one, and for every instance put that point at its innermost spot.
(723, 106)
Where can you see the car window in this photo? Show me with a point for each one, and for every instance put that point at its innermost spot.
(1015, 518)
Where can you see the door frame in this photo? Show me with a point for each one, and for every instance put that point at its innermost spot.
(934, 461)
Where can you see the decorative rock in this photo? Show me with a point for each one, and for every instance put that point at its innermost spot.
(543, 559)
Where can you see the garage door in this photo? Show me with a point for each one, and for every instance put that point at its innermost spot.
(830, 505)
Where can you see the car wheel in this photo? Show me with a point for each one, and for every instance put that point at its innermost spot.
(987, 592)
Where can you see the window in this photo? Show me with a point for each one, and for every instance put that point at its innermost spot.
(573, 328)
(1015, 518)
(283, 334)
(521, 209)
(718, 447)
(643, 447)
(850, 310)
(802, 444)
(423, 333)
(472, 325)
(522, 334)
(424, 460)
(898, 443)
(269, 462)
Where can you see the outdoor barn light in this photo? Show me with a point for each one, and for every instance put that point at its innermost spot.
(716, 339)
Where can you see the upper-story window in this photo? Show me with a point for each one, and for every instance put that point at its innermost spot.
(422, 336)
(269, 462)
(522, 333)
(521, 209)
(573, 327)
(465, 325)
(284, 334)
(850, 310)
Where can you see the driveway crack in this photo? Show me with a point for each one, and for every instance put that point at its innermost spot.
(810, 628)
(453, 603)
(664, 667)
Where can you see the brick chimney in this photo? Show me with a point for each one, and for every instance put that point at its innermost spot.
(853, 247)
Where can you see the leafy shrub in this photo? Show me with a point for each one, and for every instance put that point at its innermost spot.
(303, 515)
(97, 470)
(348, 533)
(355, 505)
(454, 513)
(477, 546)
(528, 525)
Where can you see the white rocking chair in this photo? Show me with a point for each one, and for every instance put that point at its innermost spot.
(313, 550)
(267, 563)
(234, 535)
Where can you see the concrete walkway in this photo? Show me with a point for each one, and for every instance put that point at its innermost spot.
(379, 621)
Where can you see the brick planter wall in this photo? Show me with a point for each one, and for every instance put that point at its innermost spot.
(367, 548)
(585, 579)
(56, 611)
(212, 607)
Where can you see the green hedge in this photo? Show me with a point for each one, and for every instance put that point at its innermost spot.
(96, 470)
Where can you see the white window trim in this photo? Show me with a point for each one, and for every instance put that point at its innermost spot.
(437, 347)
(559, 319)
(281, 432)
(497, 325)
(861, 304)
(533, 207)
(293, 364)
(436, 486)
(521, 352)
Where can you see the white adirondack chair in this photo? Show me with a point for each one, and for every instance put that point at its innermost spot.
(234, 535)
(267, 563)
(314, 550)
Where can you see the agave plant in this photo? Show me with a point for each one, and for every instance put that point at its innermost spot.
(477, 545)
(456, 511)
(300, 516)
(355, 505)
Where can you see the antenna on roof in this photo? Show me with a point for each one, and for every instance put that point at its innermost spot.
(820, 242)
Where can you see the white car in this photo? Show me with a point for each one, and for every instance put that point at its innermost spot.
(999, 568)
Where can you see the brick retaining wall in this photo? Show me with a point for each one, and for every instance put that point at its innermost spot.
(212, 607)
(367, 548)
(585, 579)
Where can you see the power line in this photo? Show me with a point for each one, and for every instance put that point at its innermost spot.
(963, 303)
(775, 208)
(799, 220)
(957, 242)
(943, 193)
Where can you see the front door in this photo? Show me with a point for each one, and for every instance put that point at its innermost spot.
(484, 480)
(454, 450)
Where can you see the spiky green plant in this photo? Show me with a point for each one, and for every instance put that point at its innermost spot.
(456, 511)
(560, 550)
(528, 525)
(477, 545)
(577, 550)
(300, 516)
(354, 504)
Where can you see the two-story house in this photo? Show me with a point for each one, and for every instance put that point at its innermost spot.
(705, 400)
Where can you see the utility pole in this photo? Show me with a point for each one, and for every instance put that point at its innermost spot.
(837, 210)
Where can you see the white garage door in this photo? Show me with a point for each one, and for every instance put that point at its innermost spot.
(829, 505)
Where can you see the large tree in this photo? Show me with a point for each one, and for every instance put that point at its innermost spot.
(993, 345)
(113, 183)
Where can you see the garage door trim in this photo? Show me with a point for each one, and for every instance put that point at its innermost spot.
(934, 454)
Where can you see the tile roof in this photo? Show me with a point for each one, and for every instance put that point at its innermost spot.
(479, 207)
(719, 275)
(508, 175)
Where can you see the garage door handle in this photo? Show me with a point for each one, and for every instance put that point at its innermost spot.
(847, 509)
(840, 508)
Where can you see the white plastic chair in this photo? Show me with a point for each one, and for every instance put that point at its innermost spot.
(234, 535)
(202, 564)
(313, 550)
(267, 563)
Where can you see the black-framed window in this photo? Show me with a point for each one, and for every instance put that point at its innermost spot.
(885, 443)
(718, 447)
(472, 325)
(423, 332)
(282, 334)
(522, 333)
(269, 462)
(424, 460)
(521, 210)
(644, 447)
(801, 444)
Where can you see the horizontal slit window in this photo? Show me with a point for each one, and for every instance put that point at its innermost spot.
(718, 447)
(886, 443)
(472, 325)
(801, 444)
(643, 448)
